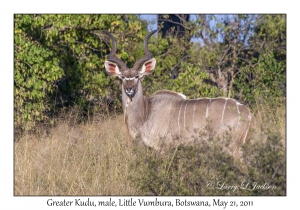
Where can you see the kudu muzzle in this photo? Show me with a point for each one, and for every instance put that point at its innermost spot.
(130, 86)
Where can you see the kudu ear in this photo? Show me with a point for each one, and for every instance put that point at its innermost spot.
(112, 69)
(148, 67)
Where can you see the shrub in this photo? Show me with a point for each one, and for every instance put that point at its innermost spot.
(205, 168)
(49, 48)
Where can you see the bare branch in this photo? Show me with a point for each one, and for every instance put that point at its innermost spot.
(182, 19)
(187, 56)
(184, 26)
(23, 62)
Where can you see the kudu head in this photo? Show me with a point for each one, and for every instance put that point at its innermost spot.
(130, 76)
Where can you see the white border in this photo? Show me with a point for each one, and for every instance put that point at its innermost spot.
(8, 201)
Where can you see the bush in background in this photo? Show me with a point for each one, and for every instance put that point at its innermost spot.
(59, 61)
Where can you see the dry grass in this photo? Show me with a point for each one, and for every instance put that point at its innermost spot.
(84, 159)
(271, 119)
(98, 158)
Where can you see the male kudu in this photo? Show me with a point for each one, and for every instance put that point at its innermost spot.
(166, 115)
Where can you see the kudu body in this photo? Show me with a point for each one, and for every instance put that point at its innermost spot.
(166, 115)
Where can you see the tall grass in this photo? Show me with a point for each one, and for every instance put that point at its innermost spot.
(97, 157)
(91, 158)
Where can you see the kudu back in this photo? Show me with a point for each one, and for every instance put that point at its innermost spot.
(167, 117)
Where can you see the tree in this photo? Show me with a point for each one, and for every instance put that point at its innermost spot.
(265, 79)
(59, 59)
(225, 40)
(174, 25)
(51, 47)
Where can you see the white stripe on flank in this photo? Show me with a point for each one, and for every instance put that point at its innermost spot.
(249, 123)
(182, 95)
(246, 134)
(184, 115)
(194, 110)
(237, 107)
(224, 111)
(179, 115)
(237, 102)
(206, 115)
(172, 112)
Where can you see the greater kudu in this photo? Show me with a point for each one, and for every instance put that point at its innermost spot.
(167, 115)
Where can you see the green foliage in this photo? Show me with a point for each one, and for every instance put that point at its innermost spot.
(264, 81)
(271, 31)
(48, 47)
(239, 56)
(244, 55)
(177, 71)
(192, 83)
(265, 78)
(36, 68)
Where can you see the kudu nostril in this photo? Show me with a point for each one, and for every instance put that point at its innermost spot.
(129, 89)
